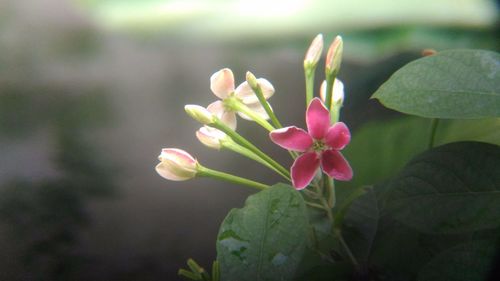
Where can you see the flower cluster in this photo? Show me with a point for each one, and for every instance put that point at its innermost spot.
(318, 147)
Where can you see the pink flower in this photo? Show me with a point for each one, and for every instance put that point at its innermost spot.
(320, 146)
(222, 85)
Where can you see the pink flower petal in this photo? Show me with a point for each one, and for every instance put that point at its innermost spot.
(317, 119)
(178, 156)
(247, 95)
(165, 171)
(335, 165)
(216, 108)
(292, 138)
(304, 169)
(222, 83)
(227, 117)
(338, 136)
(256, 108)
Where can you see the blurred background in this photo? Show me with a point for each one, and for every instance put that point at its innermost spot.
(91, 90)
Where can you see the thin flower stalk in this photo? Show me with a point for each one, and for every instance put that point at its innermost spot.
(337, 98)
(206, 172)
(236, 105)
(309, 77)
(217, 139)
(245, 143)
(233, 146)
(255, 85)
(178, 165)
(311, 59)
(217, 127)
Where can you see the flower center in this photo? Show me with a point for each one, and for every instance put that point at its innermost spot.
(319, 145)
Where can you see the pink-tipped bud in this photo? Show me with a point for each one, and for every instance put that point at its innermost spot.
(334, 56)
(199, 113)
(211, 137)
(176, 165)
(313, 54)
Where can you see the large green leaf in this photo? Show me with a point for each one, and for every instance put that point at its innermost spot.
(465, 262)
(265, 240)
(450, 189)
(397, 251)
(451, 84)
(380, 148)
(361, 224)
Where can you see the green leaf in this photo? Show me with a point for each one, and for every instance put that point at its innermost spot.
(397, 250)
(380, 148)
(450, 189)
(468, 261)
(265, 240)
(451, 84)
(361, 224)
(341, 271)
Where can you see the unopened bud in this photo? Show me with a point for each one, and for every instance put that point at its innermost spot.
(176, 165)
(313, 54)
(199, 113)
(334, 56)
(252, 80)
(211, 137)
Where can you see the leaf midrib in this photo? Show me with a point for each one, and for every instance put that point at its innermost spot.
(264, 235)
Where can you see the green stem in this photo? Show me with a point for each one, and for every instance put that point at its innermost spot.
(346, 248)
(309, 73)
(245, 143)
(314, 205)
(326, 186)
(258, 92)
(432, 135)
(335, 108)
(310, 194)
(231, 145)
(330, 188)
(236, 105)
(215, 271)
(206, 172)
(324, 203)
(330, 79)
(342, 209)
(188, 274)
